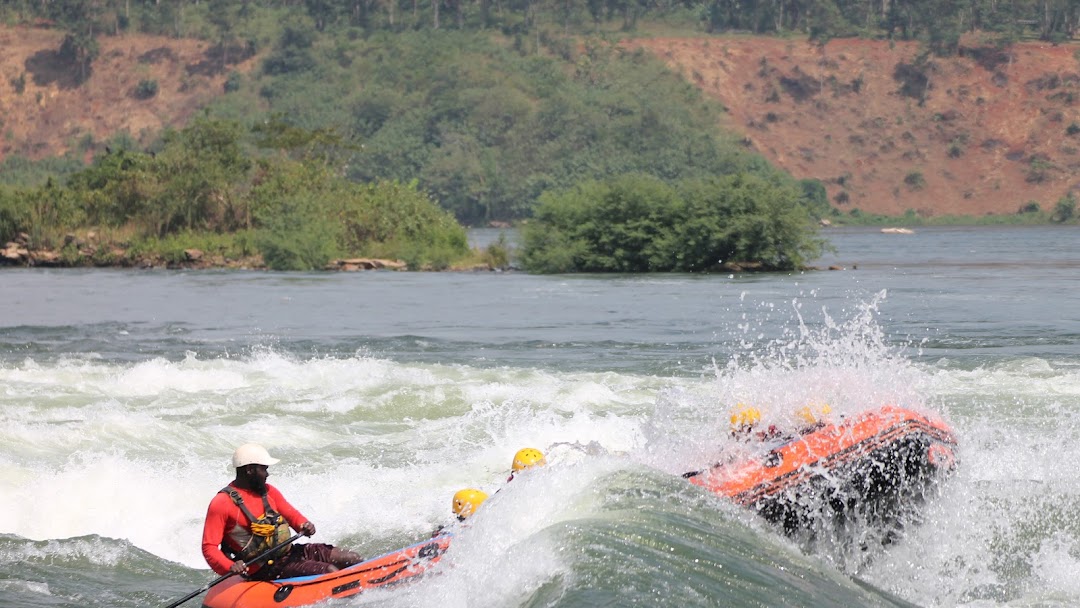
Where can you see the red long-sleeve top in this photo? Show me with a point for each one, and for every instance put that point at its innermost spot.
(225, 523)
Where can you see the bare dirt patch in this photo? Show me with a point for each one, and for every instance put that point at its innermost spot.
(46, 111)
(982, 133)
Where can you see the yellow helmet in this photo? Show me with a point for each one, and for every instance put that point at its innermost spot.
(527, 458)
(814, 412)
(744, 415)
(467, 501)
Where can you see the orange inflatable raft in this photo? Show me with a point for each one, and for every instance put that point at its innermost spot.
(873, 466)
(389, 569)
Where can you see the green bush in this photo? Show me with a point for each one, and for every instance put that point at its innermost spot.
(14, 215)
(196, 181)
(51, 212)
(309, 215)
(171, 248)
(1029, 207)
(615, 226)
(292, 207)
(293, 52)
(302, 247)
(1038, 170)
(19, 83)
(19, 170)
(915, 180)
(497, 254)
(395, 220)
(816, 198)
(1065, 210)
(638, 223)
(203, 189)
(233, 81)
(146, 89)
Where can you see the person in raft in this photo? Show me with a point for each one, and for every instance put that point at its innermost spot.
(466, 502)
(744, 420)
(234, 534)
(526, 458)
(813, 417)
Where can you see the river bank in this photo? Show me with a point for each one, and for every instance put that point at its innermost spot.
(88, 253)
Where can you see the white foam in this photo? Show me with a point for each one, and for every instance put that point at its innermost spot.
(373, 450)
(21, 586)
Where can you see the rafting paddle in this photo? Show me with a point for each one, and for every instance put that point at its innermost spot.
(258, 558)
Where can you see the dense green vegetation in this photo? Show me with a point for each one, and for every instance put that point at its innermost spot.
(228, 22)
(216, 187)
(486, 128)
(483, 124)
(643, 224)
(362, 117)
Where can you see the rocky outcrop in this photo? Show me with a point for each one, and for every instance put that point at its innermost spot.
(87, 252)
(16, 254)
(355, 264)
(79, 253)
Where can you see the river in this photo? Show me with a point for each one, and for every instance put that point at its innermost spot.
(124, 392)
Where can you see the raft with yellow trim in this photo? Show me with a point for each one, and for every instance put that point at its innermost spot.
(873, 466)
(390, 569)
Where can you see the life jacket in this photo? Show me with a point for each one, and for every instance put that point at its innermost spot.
(267, 531)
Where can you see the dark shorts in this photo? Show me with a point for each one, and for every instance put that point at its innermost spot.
(302, 560)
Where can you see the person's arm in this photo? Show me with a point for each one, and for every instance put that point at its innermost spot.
(291, 514)
(217, 516)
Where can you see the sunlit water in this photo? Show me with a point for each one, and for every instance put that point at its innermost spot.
(123, 393)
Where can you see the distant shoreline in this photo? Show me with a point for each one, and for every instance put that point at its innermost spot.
(27, 258)
(13, 255)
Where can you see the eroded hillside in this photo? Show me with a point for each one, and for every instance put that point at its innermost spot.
(46, 111)
(985, 132)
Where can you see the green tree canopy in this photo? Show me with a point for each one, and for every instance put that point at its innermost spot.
(638, 223)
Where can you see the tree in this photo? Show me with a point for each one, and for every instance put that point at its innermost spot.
(637, 223)
(79, 19)
(223, 15)
(1065, 210)
(200, 170)
(293, 53)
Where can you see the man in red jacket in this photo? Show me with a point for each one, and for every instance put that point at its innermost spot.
(249, 516)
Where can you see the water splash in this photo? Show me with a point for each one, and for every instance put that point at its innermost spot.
(849, 365)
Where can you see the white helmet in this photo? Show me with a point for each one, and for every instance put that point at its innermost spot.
(252, 453)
